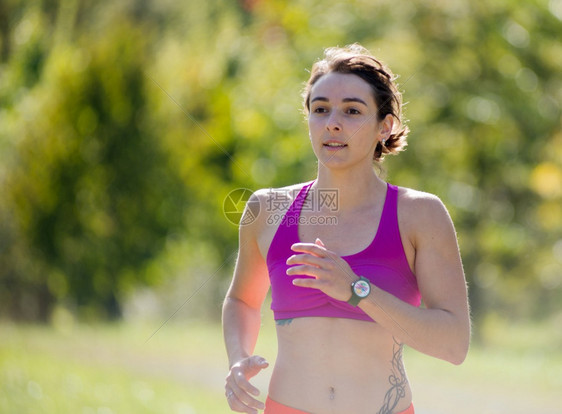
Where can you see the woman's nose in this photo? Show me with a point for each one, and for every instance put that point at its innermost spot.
(333, 124)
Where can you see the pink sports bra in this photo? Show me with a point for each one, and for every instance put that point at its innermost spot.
(383, 262)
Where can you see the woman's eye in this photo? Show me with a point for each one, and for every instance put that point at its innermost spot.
(353, 111)
(320, 110)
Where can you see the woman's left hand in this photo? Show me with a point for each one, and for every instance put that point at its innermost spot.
(330, 273)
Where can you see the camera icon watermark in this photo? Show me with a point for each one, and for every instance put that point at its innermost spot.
(241, 209)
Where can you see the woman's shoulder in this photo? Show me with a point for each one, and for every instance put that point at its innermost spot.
(410, 195)
(286, 189)
(420, 206)
(425, 221)
(275, 201)
(279, 194)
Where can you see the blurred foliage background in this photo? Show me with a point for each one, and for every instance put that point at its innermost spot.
(124, 125)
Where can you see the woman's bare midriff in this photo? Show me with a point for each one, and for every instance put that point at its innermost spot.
(330, 365)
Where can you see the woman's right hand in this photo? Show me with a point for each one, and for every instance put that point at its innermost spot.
(239, 391)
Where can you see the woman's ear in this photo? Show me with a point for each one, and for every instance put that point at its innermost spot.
(385, 127)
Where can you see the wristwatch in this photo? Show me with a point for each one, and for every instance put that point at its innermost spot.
(360, 289)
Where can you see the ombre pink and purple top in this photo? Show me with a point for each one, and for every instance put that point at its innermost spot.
(383, 262)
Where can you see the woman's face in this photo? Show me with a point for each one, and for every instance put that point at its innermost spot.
(343, 123)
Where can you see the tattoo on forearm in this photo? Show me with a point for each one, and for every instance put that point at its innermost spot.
(283, 322)
(397, 381)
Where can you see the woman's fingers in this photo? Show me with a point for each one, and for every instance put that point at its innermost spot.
(240, 400)
(243, 401)
(238, 388)
(308, 283)
(328, 272)
(311, 248)
(310, 260)
(237, 405)
(304, 269)
(243, 384)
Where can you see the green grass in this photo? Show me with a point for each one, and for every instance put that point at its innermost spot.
(109, 369)
(124, 368)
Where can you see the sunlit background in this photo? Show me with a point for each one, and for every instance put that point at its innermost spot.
(125, 125)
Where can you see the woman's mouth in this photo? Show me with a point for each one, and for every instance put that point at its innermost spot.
(335, 145)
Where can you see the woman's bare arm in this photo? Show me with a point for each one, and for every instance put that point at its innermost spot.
(442, 328)
(242, 318)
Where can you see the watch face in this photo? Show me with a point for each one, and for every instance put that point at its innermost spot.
(361, 288)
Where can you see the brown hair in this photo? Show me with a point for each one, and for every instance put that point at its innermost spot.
(355, 59)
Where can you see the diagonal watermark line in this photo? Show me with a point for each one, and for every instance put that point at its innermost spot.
(339, 265)
(193, 294)
(187, 114)
(242, 169)
(351, 277)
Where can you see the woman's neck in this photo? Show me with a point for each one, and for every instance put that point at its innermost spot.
(355, 189)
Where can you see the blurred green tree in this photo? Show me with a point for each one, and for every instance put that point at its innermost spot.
(93, 195)
(125, 125)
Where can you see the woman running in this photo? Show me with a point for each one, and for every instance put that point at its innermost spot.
(348, 263)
